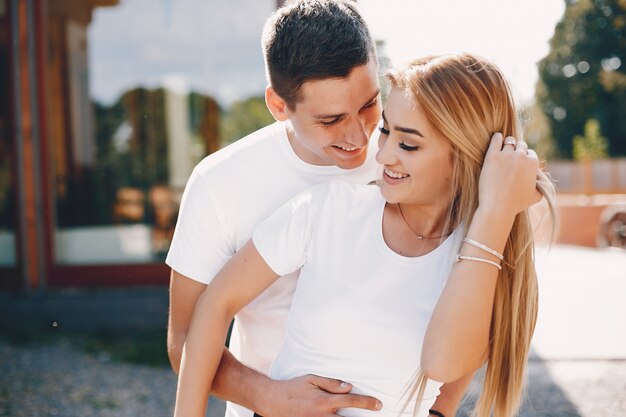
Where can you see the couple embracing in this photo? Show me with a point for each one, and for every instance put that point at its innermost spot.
(370, 273)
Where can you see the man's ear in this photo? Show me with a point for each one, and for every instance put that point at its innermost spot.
(276, 105)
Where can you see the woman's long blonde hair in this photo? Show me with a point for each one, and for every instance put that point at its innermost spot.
(467, 100)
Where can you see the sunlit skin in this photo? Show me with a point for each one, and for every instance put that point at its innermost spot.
(417, 164)
(332, 123)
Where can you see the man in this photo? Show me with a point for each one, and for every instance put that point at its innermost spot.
(323, 91)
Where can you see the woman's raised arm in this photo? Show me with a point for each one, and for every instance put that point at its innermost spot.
(457, 338)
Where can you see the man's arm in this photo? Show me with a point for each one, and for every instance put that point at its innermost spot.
(306, 396)
(448, 401)
(184, 294)
(235, 382)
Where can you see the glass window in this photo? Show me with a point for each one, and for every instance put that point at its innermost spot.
(137, 93)
(7, 168)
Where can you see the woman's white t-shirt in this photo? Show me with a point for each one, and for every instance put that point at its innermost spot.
(360, 310)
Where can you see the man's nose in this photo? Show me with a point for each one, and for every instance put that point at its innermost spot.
(357, 133)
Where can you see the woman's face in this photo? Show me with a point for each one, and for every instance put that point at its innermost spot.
(416, 160)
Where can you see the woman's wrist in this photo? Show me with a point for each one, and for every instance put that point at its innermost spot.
(491, 228)
(494, 216)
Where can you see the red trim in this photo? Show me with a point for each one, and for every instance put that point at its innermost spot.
(109, 275)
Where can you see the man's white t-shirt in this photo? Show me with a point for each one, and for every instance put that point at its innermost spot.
(227, 195)
(360, 310)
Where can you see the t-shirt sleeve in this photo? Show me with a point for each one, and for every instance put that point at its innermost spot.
(283, 238)
(201, 245)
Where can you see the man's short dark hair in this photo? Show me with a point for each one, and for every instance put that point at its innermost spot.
(314, 40)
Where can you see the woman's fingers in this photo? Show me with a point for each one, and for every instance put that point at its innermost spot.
(509, 144)
(521, 146)
(532, 154)
(496, 142)
(508, 179)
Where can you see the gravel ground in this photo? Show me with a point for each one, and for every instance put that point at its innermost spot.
(57, 379)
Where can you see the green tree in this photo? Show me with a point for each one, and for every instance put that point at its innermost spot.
(584, 75)
(244, 117)
(592, 145)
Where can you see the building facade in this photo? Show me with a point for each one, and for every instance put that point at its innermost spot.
(105, 108)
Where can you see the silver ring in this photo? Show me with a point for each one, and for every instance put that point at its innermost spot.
(512, 142)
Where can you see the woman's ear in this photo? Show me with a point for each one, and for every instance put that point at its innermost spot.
(276, 105)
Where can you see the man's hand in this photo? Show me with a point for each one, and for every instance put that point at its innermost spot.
(312, 396)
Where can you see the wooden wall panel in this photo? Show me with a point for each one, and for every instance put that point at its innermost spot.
(28, 200)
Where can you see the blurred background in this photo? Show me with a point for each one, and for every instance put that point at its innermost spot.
(107, 105)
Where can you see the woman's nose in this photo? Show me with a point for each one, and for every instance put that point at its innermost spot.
(385, 154)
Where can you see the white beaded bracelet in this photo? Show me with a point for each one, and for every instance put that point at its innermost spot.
(460, 258)
(483, 247)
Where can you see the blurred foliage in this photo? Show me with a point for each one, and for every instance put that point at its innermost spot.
(141, 348)
(384, 65)
(148, 348)
(131, 151)
(243, 118)
(592, 145)
(537, 131)
(584, 75)
(131, 142)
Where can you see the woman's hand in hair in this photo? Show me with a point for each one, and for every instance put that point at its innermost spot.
(508, 180)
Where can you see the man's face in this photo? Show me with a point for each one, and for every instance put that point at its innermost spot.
(332, 123)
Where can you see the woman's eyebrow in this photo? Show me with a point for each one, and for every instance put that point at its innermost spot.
(408, 130)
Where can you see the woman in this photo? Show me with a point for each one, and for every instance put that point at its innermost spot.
(438, 260)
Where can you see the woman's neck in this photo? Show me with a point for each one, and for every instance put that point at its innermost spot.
(423, 220)
(420, 233)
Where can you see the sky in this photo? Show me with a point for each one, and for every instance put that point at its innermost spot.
(513, 34)
(208, 46)
(203, 45)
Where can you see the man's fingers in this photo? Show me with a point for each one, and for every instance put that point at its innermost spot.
(334, 386)
(354, 400)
